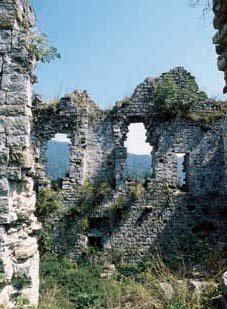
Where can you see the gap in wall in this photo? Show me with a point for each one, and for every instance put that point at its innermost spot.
(139, 157)
(181, 169)
(58, 156)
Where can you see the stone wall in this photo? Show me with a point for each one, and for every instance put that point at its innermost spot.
(164, 211)
(220, 23)
(19, 257)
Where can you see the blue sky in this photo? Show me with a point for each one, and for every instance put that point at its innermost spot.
(109, 46)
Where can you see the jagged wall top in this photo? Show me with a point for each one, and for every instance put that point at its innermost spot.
(133, 108)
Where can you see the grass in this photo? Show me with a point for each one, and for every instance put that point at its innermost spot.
(81, 285)
(70, 285)
(205, 117)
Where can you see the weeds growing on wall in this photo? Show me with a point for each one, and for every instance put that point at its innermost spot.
(89, 197)
(47, 204)
(172, 99)
(40, 48)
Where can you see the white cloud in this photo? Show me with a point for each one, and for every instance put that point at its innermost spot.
(136, 140)
(59, 137)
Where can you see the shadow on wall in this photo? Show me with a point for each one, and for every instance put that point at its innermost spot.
(164, 214)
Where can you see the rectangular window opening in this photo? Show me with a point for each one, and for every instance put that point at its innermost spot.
(182, 170)
(139, 164)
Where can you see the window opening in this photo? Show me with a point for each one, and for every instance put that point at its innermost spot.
(95, 241)
(182, 159)
(139, 153)
(58, 156)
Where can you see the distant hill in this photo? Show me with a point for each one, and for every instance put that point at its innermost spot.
(138, 166)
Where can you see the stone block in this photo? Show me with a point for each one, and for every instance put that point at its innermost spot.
(15, 110)
(32, 293)
(27, 248)
(6, 214)
(19, 38)
(17, 156)
(16, 82)
(2, 97)
(17, 125)
(224, 283)
(14, 173)
(18, 98)
(2, 130)
(167, 289)
(25, 205)
(4, 187)
(7, 15)
(5, 37)
(5, 204)
(4, 156)
(17, 141)
(16, 61)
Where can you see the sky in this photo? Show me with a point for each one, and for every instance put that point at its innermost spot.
(109, 46)
(136, 140)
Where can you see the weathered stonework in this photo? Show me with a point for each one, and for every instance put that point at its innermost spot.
(98, 154)
(220, 38)
(19, 257)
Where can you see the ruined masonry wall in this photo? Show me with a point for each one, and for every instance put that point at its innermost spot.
(219, 39)
(165, 213)
(98, 154)
(19, 257)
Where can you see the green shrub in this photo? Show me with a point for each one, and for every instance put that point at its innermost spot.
(83, 224)
(40, 48)
(171, 99)
(46, 203)
(89, 197)
(118, 205)
(206, 117)
(137, 190)
(21, 302)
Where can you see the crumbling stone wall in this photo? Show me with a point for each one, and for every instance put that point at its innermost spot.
(220, 23)
(90, 133)
(19, 257)
(164, 210)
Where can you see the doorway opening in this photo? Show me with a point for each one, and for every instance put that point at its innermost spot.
(139, 163)
(58, 156)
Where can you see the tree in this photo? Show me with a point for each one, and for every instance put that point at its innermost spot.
(40, 47)
(205, 4)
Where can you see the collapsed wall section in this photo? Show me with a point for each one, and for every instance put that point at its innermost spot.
(19, 257)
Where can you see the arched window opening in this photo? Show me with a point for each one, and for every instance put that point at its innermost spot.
(58, 156)
(139, 164)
